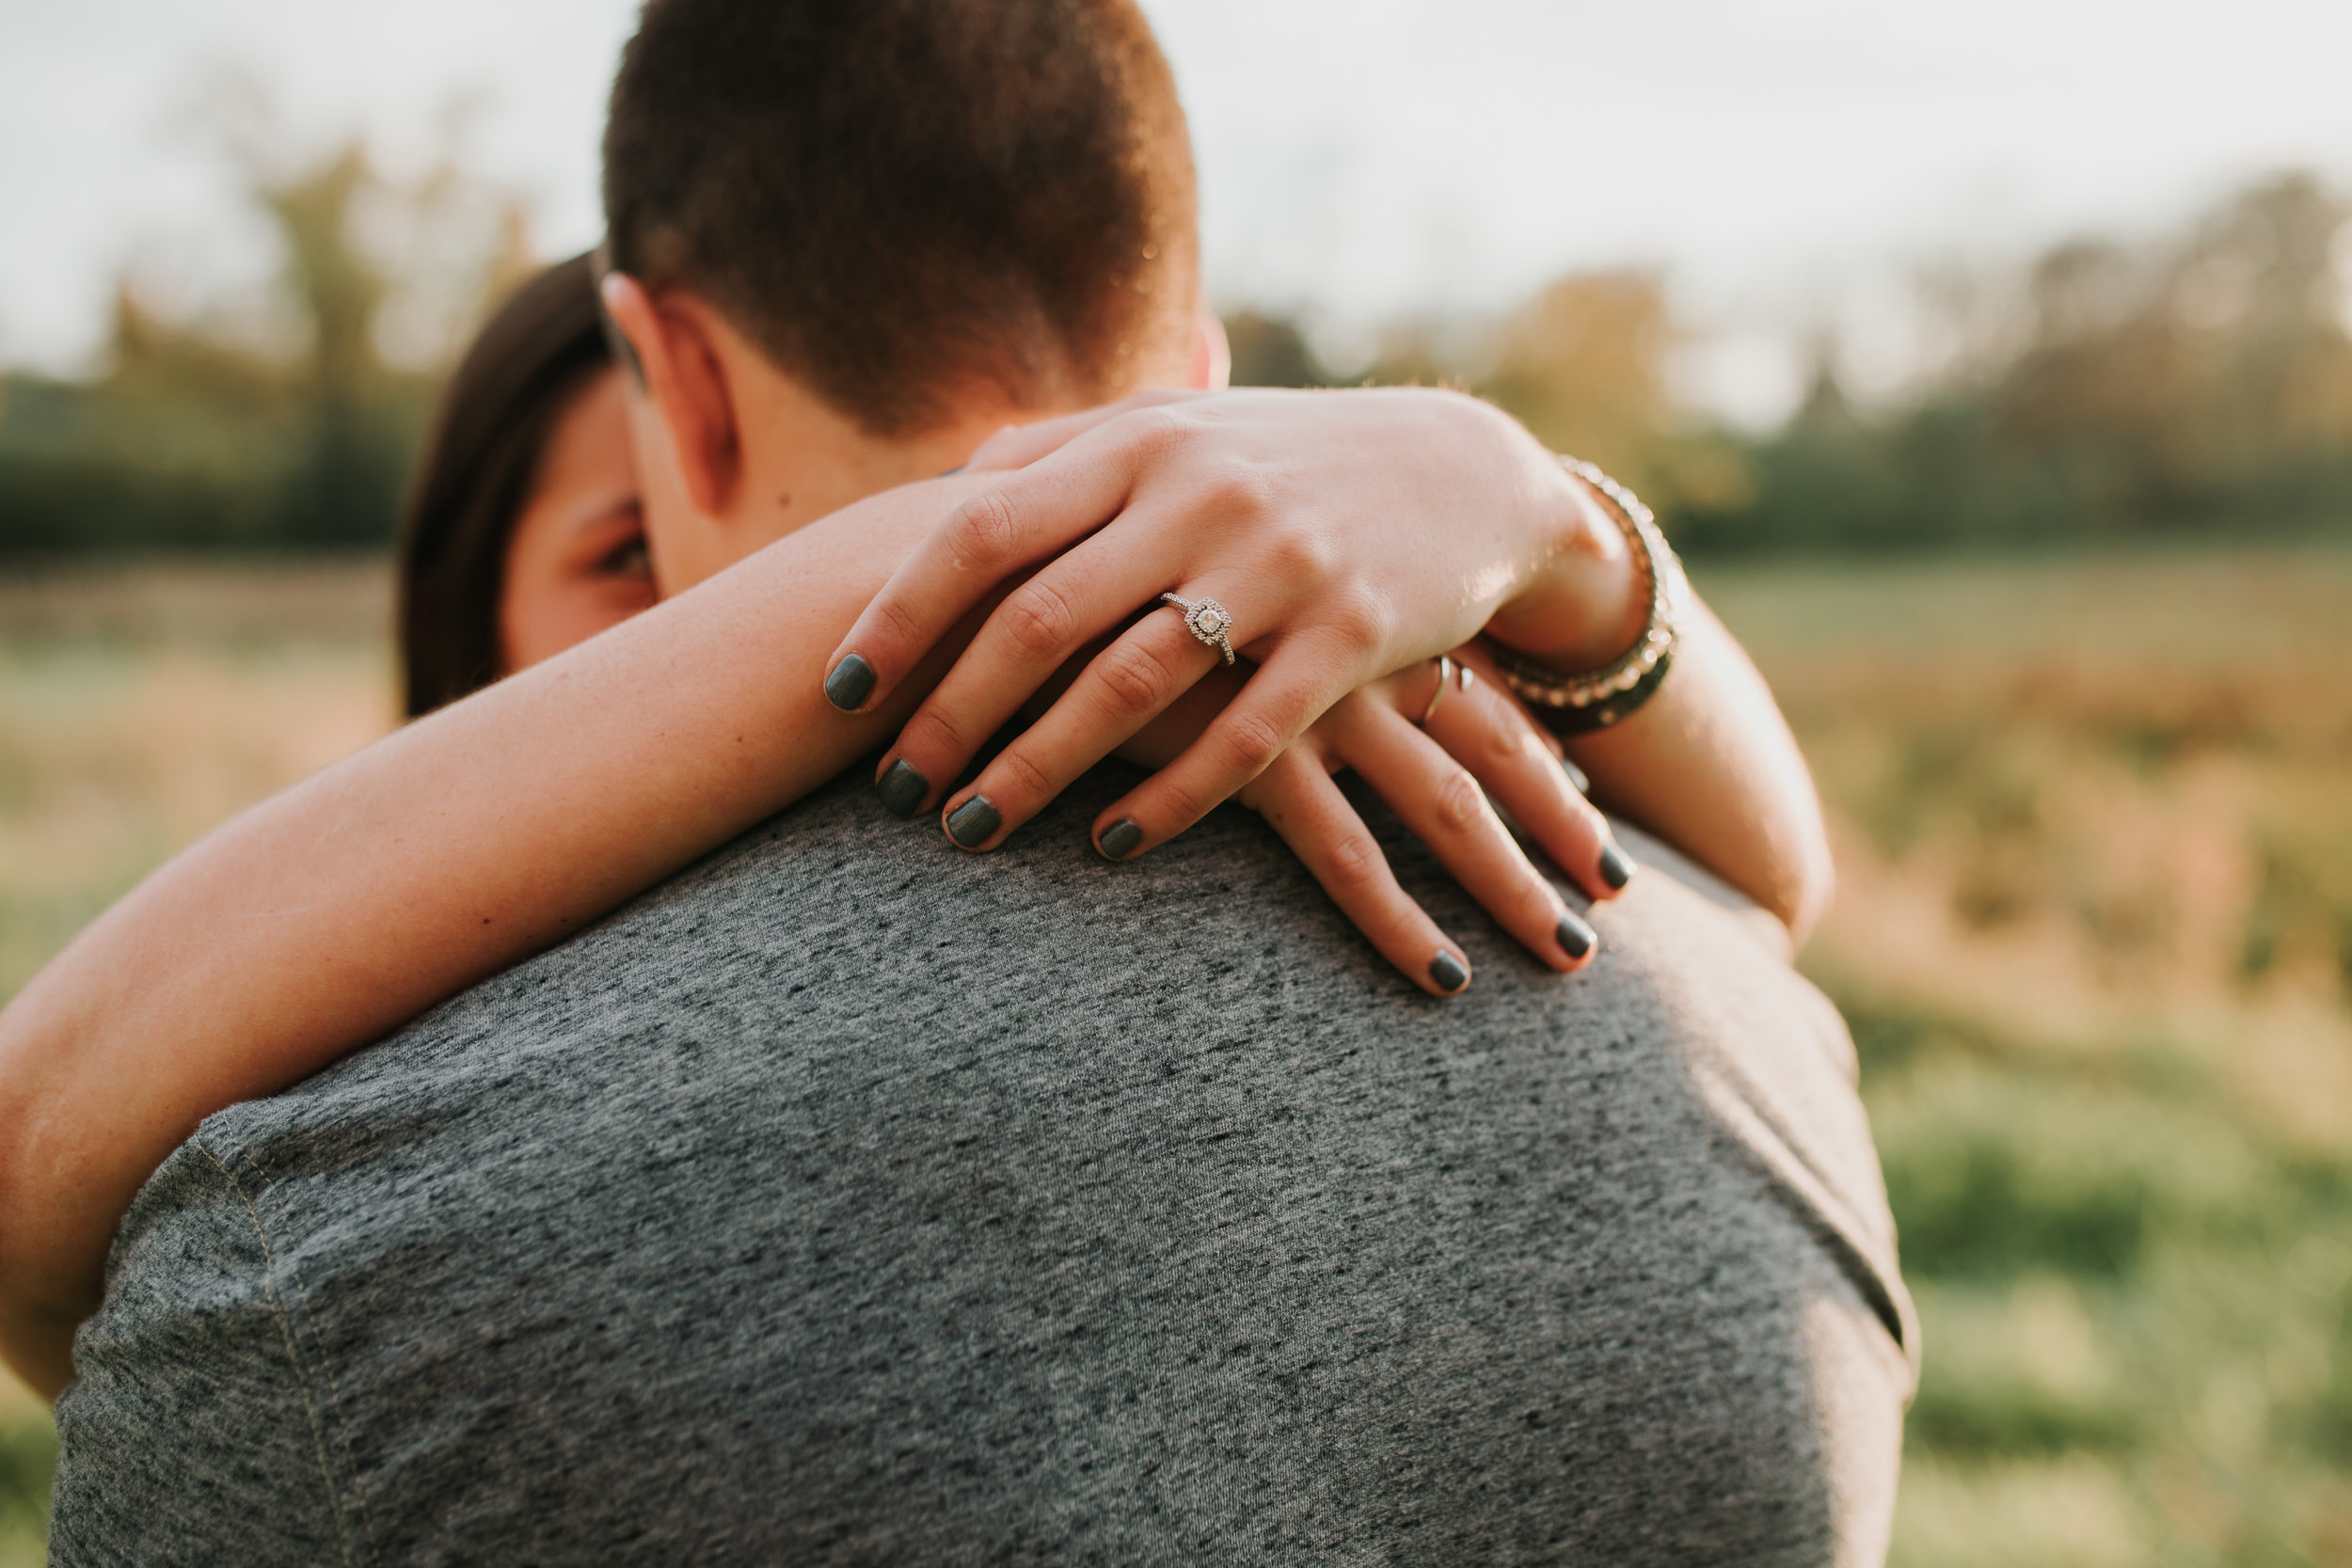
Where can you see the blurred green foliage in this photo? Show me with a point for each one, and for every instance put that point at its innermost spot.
(28, 1453)
(289, 426)
(2195, 383)
(139, 707)
(2073, 797)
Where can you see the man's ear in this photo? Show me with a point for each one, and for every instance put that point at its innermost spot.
(687, 382)
(1212, 355)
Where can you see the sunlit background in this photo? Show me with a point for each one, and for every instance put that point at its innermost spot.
(1991, 363)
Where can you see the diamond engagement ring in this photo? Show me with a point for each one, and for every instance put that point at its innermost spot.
(1207, 619)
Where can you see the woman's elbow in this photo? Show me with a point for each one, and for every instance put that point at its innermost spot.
(1812, 885)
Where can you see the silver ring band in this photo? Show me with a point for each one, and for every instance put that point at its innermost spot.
(1207, 619)
(1445, 674)
(1450, 672)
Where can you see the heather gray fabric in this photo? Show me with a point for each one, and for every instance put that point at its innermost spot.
(854, 1200)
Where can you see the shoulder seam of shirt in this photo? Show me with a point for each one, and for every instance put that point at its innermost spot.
(1815, 1203)
(286, 1331)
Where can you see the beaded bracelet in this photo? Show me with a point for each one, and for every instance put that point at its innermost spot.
(1573, 703)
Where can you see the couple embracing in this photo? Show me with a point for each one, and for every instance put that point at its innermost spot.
(593, 1125)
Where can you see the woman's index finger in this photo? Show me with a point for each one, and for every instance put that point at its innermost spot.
(1011, 522)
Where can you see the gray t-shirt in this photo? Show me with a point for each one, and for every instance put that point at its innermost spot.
(850, 1199)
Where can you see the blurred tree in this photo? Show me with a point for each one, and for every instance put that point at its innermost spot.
(288, 425)
(1583, 365)
(1587, 367)
(155, 357)
(2172, 381)
(338, 285)
(2200, 379)
(1825, 411)
(2280, 364)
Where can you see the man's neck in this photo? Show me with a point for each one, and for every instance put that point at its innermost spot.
(803, 460)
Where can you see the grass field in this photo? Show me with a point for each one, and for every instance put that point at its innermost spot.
(2094, 934)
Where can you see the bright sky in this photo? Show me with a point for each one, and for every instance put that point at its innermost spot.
(1359, 157)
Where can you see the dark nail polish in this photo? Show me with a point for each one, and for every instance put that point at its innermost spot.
(1121, 839)
(1577, 781)
(1448, 971)
(902, 790)
(1576, 938)
(849, 683)
(971, 823)
(1615, 869)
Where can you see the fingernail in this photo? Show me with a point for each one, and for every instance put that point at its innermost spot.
(848, 684)
(1615, 869)
(971, 823)
(902, 790)
(1577, 781)
(1448, 971)
(1576, 938)
(1119, 839)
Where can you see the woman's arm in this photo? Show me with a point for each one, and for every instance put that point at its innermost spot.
(395, 879)
(1708, 762)
(494, 828)
(497, 827)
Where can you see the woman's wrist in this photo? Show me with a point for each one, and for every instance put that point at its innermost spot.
(1589, 601)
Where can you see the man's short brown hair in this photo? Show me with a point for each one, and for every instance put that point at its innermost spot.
(901, 201)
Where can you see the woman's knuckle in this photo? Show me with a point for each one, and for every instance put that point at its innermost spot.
(1361, 619)
(1242, 493)
(985, 531)
(930, 733)
(1502, 745)
(1039, 620)
(1354, 861)
(1461, 805)
(1158, 432)
(1302, 554)
(1135, 680)
(901, 624)
(1252, 741)
(1181, 805)
(1030, 782)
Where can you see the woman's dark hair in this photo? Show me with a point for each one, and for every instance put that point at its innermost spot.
(494, 420)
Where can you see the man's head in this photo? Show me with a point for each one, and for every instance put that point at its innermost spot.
(854, 236)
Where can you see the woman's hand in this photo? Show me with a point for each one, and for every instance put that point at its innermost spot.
(1426, 750)
(1350, 534)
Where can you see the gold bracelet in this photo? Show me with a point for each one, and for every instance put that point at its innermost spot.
(1595, 697)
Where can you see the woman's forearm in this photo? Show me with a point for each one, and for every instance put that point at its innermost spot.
(337, 910)
(1708, 764)
(493, 829)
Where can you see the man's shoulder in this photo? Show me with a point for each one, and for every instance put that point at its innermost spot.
(921, 1168)
(835, 920)
(836, 932)
(837, 961)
